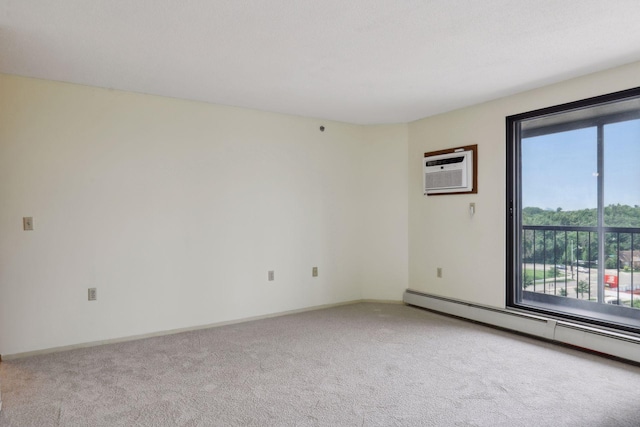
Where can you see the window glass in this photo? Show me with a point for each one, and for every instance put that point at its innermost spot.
(622, 174)
(559, 177)
(574, 231)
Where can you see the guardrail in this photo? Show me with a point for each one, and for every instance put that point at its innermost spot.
(570, 261)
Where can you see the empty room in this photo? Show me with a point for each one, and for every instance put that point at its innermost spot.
(319, 213)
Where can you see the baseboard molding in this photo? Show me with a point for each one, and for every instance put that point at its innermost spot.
(192, 328)
(383, 301)
(597, 340)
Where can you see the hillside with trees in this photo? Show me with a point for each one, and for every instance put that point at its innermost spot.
(565, 247)
(614, 216)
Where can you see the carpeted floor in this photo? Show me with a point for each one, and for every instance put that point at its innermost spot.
(356, 365)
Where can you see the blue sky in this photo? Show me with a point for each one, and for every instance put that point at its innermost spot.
(560, 170)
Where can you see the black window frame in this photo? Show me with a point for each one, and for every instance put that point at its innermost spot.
(514, 132)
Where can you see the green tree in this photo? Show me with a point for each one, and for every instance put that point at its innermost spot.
(614, 216)
(582, 288)
(553, 272)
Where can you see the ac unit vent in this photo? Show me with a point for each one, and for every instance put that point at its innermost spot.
(448, 173)
(444, 179)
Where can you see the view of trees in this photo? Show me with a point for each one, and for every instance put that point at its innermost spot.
(564, 246)
(614, 216)
(578, 247)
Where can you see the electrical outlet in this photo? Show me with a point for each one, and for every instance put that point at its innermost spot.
(93, 294)
(27, 223)
(439, 272)
(271, 275)
(314, 272)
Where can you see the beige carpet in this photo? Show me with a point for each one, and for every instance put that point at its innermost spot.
(358, 365)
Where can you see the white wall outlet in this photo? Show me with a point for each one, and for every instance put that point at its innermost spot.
(27, 223)
(271, 275)
(439, 272)
(93, 294)
(314, 272)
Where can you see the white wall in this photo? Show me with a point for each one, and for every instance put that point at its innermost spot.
(384, 245)
(175, 210)
(471, 250)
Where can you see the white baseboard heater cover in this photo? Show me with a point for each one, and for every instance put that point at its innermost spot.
(591, 338)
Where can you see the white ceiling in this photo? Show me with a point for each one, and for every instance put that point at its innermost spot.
(358, 61)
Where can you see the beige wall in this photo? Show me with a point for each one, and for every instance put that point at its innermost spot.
(471, 250)
(384, 246)
(176, 210)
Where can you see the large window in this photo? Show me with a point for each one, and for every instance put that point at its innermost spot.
(574, 210)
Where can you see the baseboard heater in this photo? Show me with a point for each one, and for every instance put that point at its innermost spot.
(578, 335)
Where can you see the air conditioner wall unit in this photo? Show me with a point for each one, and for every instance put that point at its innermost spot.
(448, 173)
